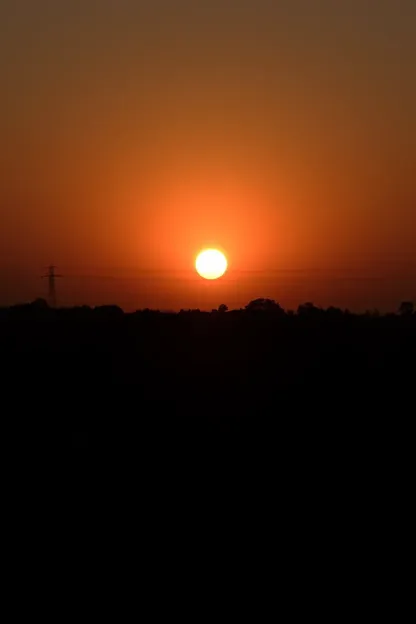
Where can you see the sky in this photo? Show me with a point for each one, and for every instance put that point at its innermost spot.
(136, 133)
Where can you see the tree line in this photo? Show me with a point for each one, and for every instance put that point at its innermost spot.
(260, 305)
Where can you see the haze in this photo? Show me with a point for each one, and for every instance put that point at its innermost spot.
(134, 134)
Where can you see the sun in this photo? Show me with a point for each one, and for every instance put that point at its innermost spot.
(211, 264)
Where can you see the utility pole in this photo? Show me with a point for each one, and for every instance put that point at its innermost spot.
(51, 276)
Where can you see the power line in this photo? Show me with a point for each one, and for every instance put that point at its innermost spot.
(51, 276)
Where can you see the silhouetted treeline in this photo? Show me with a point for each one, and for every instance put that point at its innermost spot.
(40, 308)
(248, 384)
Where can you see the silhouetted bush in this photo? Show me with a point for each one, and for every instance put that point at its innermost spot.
(406, 308)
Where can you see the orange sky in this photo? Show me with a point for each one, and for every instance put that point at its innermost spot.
(133, 136)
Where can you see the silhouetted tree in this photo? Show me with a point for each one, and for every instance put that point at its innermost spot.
(264, 305)
(334, 312)
(40, 304)
(308, 309)
(223, 308)
(406, 308)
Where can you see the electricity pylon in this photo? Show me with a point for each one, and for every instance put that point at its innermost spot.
(51, 275)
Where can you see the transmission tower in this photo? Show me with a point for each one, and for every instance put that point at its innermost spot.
(51, 276)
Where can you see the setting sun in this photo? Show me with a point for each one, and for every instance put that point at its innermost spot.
(211, 264)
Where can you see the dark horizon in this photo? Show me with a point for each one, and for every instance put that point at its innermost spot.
(152, 289)
(406, 307)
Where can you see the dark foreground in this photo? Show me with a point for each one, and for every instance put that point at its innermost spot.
(99, 394)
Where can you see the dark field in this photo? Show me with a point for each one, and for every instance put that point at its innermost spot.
(196, 395)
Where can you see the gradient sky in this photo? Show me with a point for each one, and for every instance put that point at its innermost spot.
(135, 133)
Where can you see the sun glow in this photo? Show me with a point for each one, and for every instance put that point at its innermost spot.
(211, 264)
